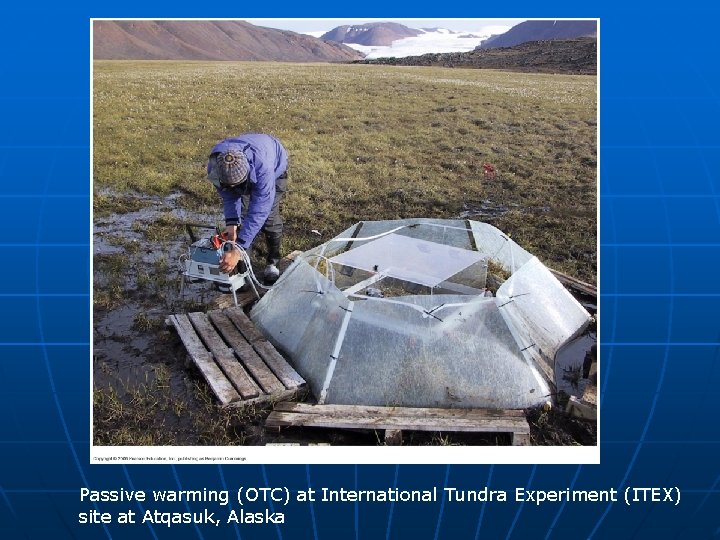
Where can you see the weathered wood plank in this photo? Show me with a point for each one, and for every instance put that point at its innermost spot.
(574, 283)
(414, 412)
(264, 399)
(225, 300)
(244, 324)
(249, 358)
(218, 383)
(395, 419)
(224, 356)
(381, 421)
(282, 370)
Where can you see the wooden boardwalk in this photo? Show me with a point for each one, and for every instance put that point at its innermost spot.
(235, 359)
(396, 419)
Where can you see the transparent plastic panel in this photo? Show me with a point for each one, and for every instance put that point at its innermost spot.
(329, 249)
(410, 259)
(303, 323)
(435, 354)
(544, 313)
(443, 231)
(283, 313)
(313, 356)
(498, 246)
(471, 280)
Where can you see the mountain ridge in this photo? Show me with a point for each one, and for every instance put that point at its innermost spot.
(210, 40)
(541, 31)
(370, 34)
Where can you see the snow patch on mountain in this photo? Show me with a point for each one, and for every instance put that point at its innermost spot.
(435, 40)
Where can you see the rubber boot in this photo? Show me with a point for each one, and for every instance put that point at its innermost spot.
(272, 273)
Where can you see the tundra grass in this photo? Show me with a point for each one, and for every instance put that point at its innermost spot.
(365, 142)
(153, 413)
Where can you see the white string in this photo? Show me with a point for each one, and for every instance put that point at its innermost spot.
(368, 237)
(329, 270)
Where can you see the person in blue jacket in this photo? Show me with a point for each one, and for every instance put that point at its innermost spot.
(250, 174)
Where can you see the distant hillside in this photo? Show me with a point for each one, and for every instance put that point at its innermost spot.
(378, 34)
(574, 56)
(541, 30)
(210, 40)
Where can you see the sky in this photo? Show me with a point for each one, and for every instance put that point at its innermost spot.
(436, 42)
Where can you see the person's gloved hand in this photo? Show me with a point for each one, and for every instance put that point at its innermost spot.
(230, 259)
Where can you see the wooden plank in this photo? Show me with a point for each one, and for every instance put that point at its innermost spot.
(225, 300)
(218, 383)
(282, 370)
(289, 377)
(414, 412)
(264, 399)
(244, 324)
(249, 358)
(575, 283)
(224, 356)
(497, 424)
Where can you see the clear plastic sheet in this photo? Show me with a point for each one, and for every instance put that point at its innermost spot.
(409, 259)
(302, 322)
(540, 310)
(431, 341)
(498, 246)
(394, 355)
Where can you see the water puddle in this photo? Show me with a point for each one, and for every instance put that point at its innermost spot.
(572, 364)
(129, 339)
(488, 209)
(484, 210)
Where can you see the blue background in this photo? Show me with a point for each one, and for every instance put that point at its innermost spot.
(660, 248)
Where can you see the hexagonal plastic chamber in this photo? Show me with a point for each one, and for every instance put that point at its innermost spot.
(422, 313)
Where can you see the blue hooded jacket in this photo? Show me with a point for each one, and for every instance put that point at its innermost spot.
(267, 160)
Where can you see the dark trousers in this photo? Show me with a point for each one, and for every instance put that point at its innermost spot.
(273, 227)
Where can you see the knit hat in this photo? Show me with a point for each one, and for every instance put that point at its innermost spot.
(232, 167)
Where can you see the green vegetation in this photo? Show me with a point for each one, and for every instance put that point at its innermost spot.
(365, 142)
(153, 413)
